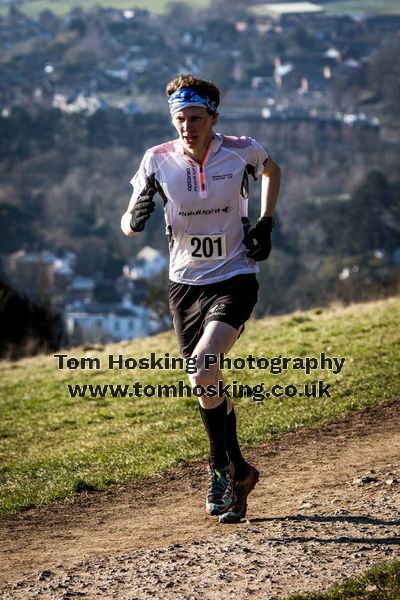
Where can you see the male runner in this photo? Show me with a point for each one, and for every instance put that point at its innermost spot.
(202, 179)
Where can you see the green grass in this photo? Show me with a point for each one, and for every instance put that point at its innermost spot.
(60, 7)
(53, 446)
(363, 7)
(378, 583)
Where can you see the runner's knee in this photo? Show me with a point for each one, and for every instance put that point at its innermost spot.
(204, 376)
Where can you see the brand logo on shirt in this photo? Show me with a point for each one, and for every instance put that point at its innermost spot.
(220, 177)
(204, 211)
(191, 179)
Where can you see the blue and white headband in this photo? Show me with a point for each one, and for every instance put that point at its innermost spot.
(187, 97)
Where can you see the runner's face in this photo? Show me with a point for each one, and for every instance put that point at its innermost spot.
(194, 126)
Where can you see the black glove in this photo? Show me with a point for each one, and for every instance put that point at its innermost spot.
(143, 208)
(258, 240)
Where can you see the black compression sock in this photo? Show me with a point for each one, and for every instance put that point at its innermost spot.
(214, 420)
(233, 448)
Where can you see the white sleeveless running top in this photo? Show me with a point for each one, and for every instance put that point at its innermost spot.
(204, 205)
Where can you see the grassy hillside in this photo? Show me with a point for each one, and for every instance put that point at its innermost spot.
(360, 7)
(53, 445)
(63, 7)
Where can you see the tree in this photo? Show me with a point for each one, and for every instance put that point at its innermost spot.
(25, 328)
(384, 77)
(369, 218)
(157, 298)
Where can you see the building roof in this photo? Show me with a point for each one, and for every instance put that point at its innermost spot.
(148, 253)
(289, 8)
(100, 309)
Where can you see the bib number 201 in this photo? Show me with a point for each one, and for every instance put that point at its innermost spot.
(206, 247)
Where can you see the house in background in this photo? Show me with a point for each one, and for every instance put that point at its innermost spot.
(101, 323)
(43, 276)
(285, 11)
(138, 273)
(148, 263)
(50, 278)
(125, 320)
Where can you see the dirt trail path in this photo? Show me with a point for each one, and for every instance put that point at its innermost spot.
(327, 507)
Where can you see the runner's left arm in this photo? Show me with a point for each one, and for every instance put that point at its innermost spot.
(270, 185)
(259, 238)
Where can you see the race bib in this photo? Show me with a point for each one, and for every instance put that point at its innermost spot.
(206, 247)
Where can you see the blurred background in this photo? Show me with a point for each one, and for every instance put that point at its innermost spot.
(81, 99)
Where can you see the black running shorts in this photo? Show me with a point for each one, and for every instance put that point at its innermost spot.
(193, 306)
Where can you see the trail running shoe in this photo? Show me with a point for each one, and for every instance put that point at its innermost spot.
(241, 490)
(220, 495)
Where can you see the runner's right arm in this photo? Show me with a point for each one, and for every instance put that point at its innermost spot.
(141, 204)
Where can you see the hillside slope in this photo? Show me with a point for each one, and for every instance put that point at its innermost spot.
(54, 445)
